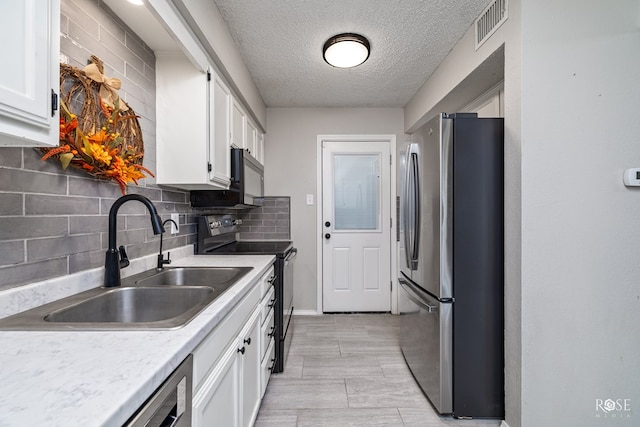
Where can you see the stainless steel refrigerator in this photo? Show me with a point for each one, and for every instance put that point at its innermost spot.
(451, 275)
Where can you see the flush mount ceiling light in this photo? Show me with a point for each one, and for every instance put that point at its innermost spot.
(346, 50)
(136, 2)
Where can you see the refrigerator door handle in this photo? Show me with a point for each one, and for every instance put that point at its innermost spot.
(415, 298)
(405, 211)
(412, 208)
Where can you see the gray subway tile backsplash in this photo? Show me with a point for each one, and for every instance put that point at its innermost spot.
(133, 43)
(22, 274)
(37, 204)
(173, 196)
(86, 224)
(13, 251)
(42, 249)
(21, 181)
(25, 227)
(11, 157)
(271, 221)
(93, 188)
(11, 204)
(76, 13)
(86, 260)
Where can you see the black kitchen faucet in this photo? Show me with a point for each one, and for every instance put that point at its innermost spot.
(161, 260)
(114, 259)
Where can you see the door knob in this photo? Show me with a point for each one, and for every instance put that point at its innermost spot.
(327, 224)
(327, 236)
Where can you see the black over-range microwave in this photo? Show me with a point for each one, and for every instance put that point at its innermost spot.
(246, 188)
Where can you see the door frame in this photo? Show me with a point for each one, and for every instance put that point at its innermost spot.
(391, 140)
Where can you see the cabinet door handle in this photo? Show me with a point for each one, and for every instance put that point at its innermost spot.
(247, 341)
(272, 303)
(272, 279)
(241, 350)
(272, 331)
(273, 364)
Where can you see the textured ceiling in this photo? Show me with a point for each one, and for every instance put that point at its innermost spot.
(281, 42)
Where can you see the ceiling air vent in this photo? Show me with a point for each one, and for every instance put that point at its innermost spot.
(490, 20)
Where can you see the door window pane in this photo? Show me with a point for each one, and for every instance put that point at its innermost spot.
(356, 191)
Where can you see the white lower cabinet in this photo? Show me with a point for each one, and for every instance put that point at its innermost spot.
(228, 372)
(250, 371)
(218, 402)
(266, 367)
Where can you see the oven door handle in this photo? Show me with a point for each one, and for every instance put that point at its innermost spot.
(293, 253)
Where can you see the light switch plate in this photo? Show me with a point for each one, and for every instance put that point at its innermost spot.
(309, 199)
(631, 177)
(175, 229)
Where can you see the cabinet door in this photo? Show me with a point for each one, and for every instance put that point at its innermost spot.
(251, 137)
(218, 401)
(251, 392)
(29, 76)
(181, 122)
(260, 148)
(238, 118)
(219, 132)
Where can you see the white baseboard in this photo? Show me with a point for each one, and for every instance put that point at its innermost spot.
(305, 312)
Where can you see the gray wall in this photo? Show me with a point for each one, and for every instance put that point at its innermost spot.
(54, 222)
(290, 153)
(580, 224)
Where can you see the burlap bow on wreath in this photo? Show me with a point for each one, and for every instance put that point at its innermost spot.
(108, 85)
(99, 132)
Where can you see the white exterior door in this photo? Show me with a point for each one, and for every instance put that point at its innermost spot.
(356, 226)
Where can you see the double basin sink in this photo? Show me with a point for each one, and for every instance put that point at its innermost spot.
(164, 299)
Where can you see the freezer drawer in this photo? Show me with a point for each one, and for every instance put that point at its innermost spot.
(426, 343)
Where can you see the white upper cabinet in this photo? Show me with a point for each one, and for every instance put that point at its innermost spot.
(220, 132)
(244, 133)
(192, 125)
(252, 137)
(192, 113)
(238, 125)
(260, 148)
(30, 73)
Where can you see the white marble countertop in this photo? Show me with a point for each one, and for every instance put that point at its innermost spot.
(100, 378)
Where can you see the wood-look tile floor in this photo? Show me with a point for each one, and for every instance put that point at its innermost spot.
(348, 370)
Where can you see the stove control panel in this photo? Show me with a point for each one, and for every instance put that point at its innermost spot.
(220, 224)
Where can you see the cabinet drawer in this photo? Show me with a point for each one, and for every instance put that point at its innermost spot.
(268, 333)
(267, 303)
(267, 281)
(209, 351)
(267, 366)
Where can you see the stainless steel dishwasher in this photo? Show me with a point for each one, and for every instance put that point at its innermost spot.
(170, 404)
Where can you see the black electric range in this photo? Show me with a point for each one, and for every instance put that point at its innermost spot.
(217, 236)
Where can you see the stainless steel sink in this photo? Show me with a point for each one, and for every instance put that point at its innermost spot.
(194, 276)
(166, 299)
(135, 305)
